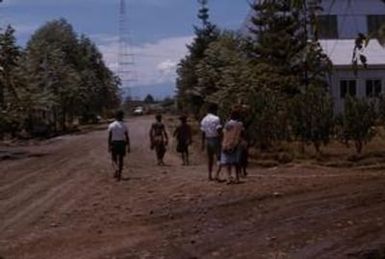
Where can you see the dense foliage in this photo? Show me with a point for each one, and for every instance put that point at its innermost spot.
(357, 123)
(278, 72)
(190, 98)
(58, 77)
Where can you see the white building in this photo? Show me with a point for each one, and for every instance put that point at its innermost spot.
(339, 23)
(367, 83)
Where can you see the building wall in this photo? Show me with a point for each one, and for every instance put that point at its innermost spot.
(346, 73)
(352, 15)
(351, 19)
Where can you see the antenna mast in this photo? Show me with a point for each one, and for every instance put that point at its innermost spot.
(125, 55)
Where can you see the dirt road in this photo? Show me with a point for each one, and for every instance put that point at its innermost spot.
(59, 200)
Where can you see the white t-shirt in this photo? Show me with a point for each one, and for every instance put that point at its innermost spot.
(118, 131)
(210, 125)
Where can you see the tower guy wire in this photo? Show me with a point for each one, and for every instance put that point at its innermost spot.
(126, 58)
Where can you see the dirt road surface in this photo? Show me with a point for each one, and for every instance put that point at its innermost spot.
(59, 200)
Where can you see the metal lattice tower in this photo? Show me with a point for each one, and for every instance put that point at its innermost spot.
(125, 56)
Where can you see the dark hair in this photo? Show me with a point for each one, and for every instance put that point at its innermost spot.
(213, 108)
(119, 115)
(235, 115)
(158, 117)
(183, 118)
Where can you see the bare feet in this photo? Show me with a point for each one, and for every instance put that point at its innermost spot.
(218, 180)
(119, 176)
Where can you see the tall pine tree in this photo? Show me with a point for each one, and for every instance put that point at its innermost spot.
(279, 37)
(190, 97)
(10, 53)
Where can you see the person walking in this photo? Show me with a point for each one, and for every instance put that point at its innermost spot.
(159, 139)
(230, 155)
(184, 138)
(211, 127)
(246, 140)
(118, 143)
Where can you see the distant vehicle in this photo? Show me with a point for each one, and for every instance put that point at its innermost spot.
(138, 110)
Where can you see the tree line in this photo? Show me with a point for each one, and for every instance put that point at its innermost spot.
(57, 77)
(278, 72)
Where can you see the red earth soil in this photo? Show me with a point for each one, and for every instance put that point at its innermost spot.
(58, 199)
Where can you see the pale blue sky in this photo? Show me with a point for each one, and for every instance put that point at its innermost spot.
(160, 29)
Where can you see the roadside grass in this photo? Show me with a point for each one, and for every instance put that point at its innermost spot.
(335, 154)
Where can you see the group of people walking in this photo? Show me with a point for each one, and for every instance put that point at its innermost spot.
(159, 139)
(224, 144)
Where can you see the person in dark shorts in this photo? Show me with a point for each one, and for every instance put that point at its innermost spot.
(211, 127)
(118, 143)
(159, 139)
(184, 138)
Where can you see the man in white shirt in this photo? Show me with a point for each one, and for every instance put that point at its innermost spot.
(211, 127)
(118, 141)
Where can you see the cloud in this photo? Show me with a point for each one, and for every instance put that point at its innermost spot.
(154, 63)
(167, 66)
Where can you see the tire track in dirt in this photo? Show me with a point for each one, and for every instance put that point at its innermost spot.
(45, 189)
(276, 222)
(30, 204)
(32, 170)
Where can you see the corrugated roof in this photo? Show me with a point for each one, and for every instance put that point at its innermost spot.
(340, 52)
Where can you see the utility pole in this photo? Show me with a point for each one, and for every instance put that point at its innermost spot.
(126, 59)
(2, 104)
(306, 31)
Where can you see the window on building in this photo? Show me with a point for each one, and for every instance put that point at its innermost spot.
(373, 88)
(348, 87)
(327, 27)
(374, 23)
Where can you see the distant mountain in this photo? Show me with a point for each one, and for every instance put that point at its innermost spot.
(158, 91)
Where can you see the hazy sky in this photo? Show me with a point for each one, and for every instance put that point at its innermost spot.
(160, 29)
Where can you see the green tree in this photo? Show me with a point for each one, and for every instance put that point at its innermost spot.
(72, 72)
(52, 52)
(99, 88)
(313, 116)
(225, 74)
(276, 48)
(287, 50)
(279, 37)
(189, 98)
(312, 119)
(149, 99)
(10, 55)
(357, 122)
(228, 77)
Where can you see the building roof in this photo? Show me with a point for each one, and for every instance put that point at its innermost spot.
(340, 51)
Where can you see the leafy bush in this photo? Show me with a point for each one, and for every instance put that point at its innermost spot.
(312, 116)
(357, 122)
